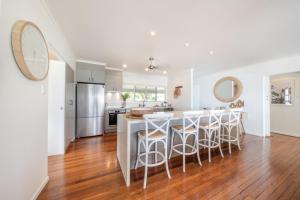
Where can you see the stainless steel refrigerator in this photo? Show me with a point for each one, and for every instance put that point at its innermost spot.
(90, 110)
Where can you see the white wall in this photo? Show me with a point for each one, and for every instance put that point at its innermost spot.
(252, 80)
(285, 119)
(23, 108)
(181, 78)
(144, 79)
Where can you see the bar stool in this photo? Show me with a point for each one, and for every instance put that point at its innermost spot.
(212, 137)
(228, 125)
(190, 127)
(159, 124)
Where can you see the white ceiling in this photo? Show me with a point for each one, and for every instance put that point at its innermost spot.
(240, 32)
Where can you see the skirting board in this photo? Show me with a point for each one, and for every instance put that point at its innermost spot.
(288, 134)
(40, 188)
(255, 134)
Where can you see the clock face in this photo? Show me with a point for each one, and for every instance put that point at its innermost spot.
(30, 50)
(35, 51)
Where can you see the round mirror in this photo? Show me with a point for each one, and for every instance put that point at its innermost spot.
(228, 89)
(30, 50)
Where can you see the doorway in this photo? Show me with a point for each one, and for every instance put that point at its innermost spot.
(285, 104)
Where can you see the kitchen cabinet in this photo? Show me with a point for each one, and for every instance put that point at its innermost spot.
(90, 73)
(113, 81)
(83, 75)
(98, 76)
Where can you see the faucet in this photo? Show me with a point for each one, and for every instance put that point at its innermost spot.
(143, 104)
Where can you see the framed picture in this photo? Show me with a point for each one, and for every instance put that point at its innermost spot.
(283, 92)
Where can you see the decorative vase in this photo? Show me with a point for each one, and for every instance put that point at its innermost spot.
(124, 104)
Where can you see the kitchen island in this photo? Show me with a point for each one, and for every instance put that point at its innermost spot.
(127, 140)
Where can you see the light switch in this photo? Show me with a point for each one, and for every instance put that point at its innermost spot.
(43, 90)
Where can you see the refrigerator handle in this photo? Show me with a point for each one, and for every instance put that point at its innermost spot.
(95, 101)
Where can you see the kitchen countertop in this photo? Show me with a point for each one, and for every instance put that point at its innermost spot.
(118, 107)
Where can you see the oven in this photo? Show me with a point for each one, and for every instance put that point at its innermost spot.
(112, 119)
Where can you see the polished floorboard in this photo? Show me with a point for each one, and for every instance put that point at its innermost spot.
(265, 169)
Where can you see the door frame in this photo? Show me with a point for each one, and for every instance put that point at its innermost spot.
(266, 113)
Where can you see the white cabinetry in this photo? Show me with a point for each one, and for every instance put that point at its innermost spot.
(90, 73)
(113, 81)
(83, 75)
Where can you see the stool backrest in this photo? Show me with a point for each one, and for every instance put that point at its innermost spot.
(215, 117)
(157, 122)
(235, 116)
(191, 119)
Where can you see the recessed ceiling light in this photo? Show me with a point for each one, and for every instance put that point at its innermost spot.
(124, 66)
(211, 52)
(186, 44)
(146, 69)
(152, 33)
(164, 72)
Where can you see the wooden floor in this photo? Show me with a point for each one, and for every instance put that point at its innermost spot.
(264, 169)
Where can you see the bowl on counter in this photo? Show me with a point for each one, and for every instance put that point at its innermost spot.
(139, 112)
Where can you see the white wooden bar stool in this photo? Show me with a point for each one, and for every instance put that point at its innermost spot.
(212, 130)
(228, 125)
(159, 124)
(190, 127)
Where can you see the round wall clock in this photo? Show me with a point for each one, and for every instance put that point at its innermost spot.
(30, 50)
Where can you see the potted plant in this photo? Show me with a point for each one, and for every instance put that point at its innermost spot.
(125, 96)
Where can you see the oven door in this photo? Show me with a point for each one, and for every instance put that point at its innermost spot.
(112, 119)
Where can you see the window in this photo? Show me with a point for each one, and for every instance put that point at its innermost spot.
(151, 93)
(140, 93)
(145, 93)
(130, 90)
(161, 94)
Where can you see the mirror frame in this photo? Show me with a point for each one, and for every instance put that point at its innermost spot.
(228, 78)
(16, 42)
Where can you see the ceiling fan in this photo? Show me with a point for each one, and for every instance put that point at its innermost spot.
(153, 67)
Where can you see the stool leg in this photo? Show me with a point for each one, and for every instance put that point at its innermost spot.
(166, 158)
(197, 148)
(138, 155)
(238, 137)
(205, 135)
(209, 153)
(223, 132)
(183, 151)
(146, 166)
(229, 139)
(172, 140)
(220, 147)
(155, 152)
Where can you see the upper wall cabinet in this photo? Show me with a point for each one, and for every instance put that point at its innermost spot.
(90, 73)
(114, 81)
